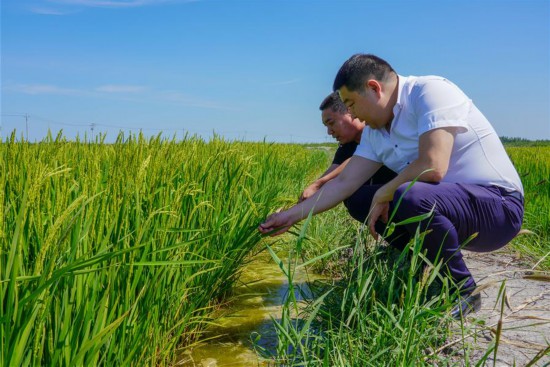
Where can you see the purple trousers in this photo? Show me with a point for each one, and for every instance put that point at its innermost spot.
(460, 211)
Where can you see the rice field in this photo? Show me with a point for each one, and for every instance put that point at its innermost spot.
(384, 310)
(118, 254)
(533, 165)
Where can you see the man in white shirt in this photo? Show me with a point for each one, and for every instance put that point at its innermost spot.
(347, 131)
(425, 128)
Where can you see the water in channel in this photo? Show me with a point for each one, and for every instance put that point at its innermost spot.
(260, 297)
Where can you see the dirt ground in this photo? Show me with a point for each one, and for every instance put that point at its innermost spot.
(524, 337)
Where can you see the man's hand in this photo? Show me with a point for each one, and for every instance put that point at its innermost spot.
(378, 211)
(380, 208)
(357, 171)
(276, 224)
(309, 191)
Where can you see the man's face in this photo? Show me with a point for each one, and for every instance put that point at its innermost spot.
(362, 105)
(340, 126)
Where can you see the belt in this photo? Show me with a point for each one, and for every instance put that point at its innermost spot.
(515, 194)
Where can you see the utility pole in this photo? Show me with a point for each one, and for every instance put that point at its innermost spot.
(27, 125)
(92, 126)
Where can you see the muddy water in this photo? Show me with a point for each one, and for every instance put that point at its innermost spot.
(263, 291)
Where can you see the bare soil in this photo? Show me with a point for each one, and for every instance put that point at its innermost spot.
(519, 327)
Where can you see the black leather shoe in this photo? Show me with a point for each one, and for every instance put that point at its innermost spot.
(467, 304)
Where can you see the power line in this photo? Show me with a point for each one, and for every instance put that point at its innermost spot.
(93, 126)
(26, 116)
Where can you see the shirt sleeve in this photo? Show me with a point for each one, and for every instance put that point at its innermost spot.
(440, 103)
(344, 152)
(365, 148)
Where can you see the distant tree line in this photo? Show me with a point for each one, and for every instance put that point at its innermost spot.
(520, 142)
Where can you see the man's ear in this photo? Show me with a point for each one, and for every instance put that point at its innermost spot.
(374, 85)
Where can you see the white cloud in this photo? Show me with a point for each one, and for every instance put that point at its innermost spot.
(286, 82)
(115, 3)
(66, 7)
(120, 88)
(43, 89)
(132, 93)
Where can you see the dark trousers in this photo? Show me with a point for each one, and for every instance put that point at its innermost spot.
(461, 210)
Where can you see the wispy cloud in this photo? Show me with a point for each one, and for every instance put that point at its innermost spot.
(286, 82)
(43, 89)
(131, 93)
(67, 7)
(116, 3)
(121, 88)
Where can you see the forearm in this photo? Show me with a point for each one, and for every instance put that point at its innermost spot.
(331, 173)
(418, 169)
(335, 191)
(330, 195)
(434, 152)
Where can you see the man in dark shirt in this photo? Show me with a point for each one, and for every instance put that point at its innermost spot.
(347, 131)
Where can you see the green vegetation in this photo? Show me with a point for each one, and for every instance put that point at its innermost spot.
(533, 165)
(115, 254)
(519, 142)
(384, 310)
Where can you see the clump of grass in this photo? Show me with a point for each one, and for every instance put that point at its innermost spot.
(389, 309)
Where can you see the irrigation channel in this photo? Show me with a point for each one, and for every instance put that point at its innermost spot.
(262, 291)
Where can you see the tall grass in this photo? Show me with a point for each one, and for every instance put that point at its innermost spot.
(385, 310)
(115, 254)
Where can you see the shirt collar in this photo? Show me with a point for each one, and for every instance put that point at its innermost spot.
(401, 80)
(400, 87)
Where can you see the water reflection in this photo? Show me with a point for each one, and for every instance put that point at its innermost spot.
(263, 291)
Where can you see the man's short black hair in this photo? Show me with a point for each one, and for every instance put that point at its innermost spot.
(334, 102)
(358, 69)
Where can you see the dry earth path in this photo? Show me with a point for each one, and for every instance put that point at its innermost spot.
(524, 335)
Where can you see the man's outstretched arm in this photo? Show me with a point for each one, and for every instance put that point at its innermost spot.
(354, 174)
(333, 171)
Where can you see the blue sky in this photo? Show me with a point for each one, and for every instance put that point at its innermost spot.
(257, 69)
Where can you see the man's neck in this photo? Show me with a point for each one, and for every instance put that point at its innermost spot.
(357, 138)
(394, 85)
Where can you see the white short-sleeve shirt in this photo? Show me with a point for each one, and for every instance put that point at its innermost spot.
(430, 102)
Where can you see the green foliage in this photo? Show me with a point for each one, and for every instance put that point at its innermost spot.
(387, 309)
(533, 166)
(520, 142)
(114, 254)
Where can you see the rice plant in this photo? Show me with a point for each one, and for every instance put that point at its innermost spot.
(533, 165)
(383, 310)
(387, 309)
(116, 254)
